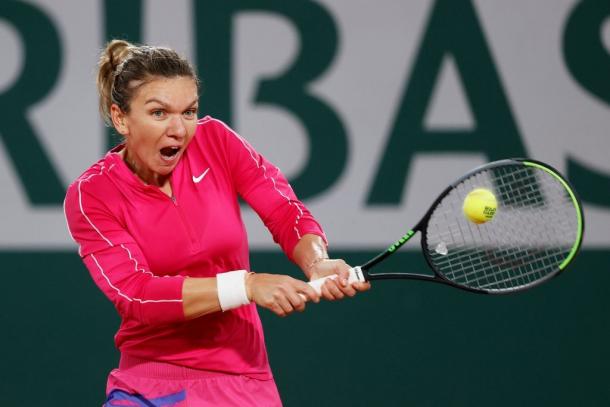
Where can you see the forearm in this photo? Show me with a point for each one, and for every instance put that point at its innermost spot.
(280, 294)
(228, 290)
(308, 251)
(199, 297)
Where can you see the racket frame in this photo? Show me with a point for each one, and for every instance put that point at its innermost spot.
(421, 226)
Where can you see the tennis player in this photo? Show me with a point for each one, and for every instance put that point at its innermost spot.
(159, 227)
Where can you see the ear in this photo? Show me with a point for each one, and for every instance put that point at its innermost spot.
(119, 120)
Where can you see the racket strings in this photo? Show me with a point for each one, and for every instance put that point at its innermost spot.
(498, 275)
(533, 231)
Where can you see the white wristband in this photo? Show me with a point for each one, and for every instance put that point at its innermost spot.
(231, 288)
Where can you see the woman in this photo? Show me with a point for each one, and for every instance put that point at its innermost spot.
(158, 225)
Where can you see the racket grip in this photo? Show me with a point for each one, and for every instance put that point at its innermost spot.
(355, 275)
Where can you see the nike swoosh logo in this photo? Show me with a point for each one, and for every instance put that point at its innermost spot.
(198, 179)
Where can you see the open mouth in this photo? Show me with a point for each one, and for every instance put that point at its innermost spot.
(168, 153)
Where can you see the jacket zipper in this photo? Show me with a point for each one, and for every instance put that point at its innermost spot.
(185, 223)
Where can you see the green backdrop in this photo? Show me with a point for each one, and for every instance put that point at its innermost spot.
(407, 343)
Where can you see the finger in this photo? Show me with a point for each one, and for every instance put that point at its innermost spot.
(333, 290)
(348, 290)
(325, 293)
(362, 286)
(277, 310)
(328, 292)
(308, 293)
(297, 302)
(342, 270)
(285, 305)
(294, 296)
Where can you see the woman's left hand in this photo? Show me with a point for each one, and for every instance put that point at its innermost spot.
(337, 288)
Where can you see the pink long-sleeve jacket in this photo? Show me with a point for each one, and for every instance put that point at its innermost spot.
(139, 245)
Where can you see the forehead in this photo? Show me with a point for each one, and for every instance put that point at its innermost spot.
(178, 90)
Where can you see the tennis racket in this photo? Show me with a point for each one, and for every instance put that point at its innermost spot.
(534, 235)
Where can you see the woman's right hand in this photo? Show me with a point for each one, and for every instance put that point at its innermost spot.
(279, 293)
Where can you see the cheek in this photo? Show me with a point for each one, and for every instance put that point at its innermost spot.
(190, 131)
(142, 145)
(145, 133)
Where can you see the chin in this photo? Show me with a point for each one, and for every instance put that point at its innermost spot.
(164, 168)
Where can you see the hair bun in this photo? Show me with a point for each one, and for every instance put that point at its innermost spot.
(117, 51)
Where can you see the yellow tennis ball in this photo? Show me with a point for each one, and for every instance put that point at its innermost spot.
(480, 205)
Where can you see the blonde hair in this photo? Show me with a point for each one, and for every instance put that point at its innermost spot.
(124, 67)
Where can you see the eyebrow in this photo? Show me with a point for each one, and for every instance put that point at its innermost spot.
(155, 100)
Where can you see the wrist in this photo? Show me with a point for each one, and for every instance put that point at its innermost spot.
(248, 281)
(310, 250)
(315, 262)
(231, 288)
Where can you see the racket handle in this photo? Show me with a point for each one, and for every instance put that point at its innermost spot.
(355, 275)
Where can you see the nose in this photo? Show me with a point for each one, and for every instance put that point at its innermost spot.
(176, 128)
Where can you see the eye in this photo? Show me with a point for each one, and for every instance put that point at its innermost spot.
(158, 114)
(191, 113)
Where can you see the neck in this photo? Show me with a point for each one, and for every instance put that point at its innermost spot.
(145, 175)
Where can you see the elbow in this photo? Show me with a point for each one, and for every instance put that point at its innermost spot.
(150, 312)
